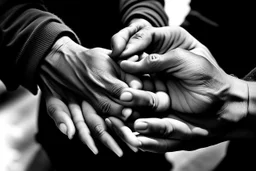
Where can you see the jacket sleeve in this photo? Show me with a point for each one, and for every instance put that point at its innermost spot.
(251, 76)
(27, 32)
(151, 10)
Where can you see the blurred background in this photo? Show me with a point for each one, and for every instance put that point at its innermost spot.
(18, 126)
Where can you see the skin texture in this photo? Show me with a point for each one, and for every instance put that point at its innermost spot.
(207, 105)
(91, 88)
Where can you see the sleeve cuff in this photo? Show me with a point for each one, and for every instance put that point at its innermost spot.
(39, 44)
(251, 76)
(152, 12)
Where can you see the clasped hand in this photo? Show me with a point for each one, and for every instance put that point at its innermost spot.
(179, 81)
(207, 106)
(86, 85)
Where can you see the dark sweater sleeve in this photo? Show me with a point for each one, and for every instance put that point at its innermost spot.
(251, 76)
(151, 10)
(27, 32)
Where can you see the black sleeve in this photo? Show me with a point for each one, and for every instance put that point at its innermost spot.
(251, 76)
(151, 10)
(27, 32)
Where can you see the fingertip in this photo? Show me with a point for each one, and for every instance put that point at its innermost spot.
(126, 113)
(134, 149)
(63, 128)
(136, 85)
(93, 149)
(126, 96)
(140, 125)
(71, 133)
(119, 153)
(164, 101)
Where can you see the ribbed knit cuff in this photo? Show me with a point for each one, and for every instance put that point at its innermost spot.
(251, 76)
(152, 12)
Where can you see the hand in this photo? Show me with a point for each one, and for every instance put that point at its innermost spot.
(87, 74)
(172, 134)
(84, 120)
(122, 40)
(193, 80)
(74, 72)
(201, 93)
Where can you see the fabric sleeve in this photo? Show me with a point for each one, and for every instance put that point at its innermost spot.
(151, 10)
(251, 76)
(27, 32)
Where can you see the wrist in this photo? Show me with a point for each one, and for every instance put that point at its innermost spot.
(56, 59)
(60, 42)
(251, 118)
(236, 101)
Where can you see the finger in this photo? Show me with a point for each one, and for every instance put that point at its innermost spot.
(154, 63)
(162, 145)
(120, 39)
(83, 130)
(158, 101)
(105, 51)
(59, 112)
(110, 125)
(98, 128)
(136, 57)
(132, 81)
(159, 83)
(137, 43)
(133, 58)
(159, 145)
(168, 128)
(123, 131)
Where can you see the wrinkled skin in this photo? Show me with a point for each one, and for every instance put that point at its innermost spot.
(203, 109)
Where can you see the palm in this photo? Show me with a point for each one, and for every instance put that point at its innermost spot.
(191, 80)
(193, 85)
(192, 76)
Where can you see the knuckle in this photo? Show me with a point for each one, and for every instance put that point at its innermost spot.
(116, 89)
(105, 107)
(99, 130)
(154, 61)
(51, 109)
(139, 35)
(79, 124)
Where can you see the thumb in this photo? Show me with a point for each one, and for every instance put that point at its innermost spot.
(130, 41)
(59, 112)
(170, 61)
(153, 63)
(120, 39)
(172, 128)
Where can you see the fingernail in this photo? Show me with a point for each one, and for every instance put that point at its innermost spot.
(126, 112)
(118, 152)
(108, 122)
(126, 96)
(93, 149)
(135, 85)
(63, 128)
(141, 125)
(134, 149)
(70, 136)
